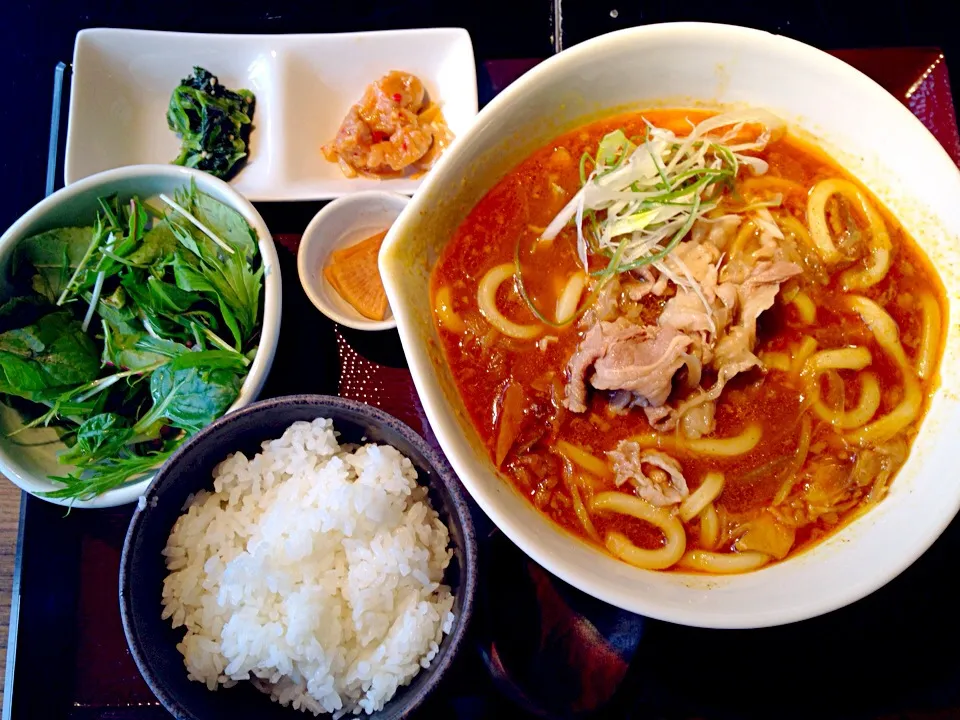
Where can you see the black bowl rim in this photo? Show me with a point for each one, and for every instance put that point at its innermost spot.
(446, 475)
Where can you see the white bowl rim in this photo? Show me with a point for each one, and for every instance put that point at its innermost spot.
(312, 236)
(272, 298)
(828, 599)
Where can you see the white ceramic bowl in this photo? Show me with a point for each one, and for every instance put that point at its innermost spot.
(344, 222)
(867, 130)
(30, 466)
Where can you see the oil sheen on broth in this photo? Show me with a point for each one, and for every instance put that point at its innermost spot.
(690, 338)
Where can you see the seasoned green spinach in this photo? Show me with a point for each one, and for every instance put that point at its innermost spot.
(213, 123)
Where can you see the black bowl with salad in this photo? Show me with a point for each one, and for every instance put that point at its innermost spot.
(130, 321)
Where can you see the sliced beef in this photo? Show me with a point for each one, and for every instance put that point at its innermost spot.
(738, 302)
(699, 421)
(734, 354)
(685, 312)
(757, 293)
(645, 284)
(644, 364)
(655, 476)
(697, 261)
(606, 306)
(591, 348)
(719, 232)
(712, 325)
(621, 355)
(660, 418)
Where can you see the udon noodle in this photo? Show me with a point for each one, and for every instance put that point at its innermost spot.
(690, 338)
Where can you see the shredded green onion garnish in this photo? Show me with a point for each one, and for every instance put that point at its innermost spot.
(674, 241)
(641, 199)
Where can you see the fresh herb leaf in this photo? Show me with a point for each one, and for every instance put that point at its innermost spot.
(209, 359)
(53, 255)
(169, 297)
(158, 243)
(231, 322)
(109, 473)
(99, 436)
(81, 274)
(52, 248)
(52, 353)
(110, 210)
(225, 222)
(129, 349)
(189, 278)
(190, 398)
(157, 297)
(115, 310)
(230, 282)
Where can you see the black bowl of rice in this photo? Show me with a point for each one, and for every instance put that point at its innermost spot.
(304, 553)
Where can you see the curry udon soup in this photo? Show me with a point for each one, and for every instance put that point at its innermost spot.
(690, 338)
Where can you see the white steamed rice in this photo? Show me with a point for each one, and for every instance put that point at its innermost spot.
(313, 569)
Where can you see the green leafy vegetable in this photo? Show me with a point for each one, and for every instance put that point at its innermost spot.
(98, 437)
(132, 334)
(111, 472)
(213, 123)
(190, 398)
(53, 353)
(225, 222)
(158, 243)
(206, 269)
(53, 255)
(127, 348)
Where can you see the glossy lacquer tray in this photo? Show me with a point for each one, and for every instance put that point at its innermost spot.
(539, 648)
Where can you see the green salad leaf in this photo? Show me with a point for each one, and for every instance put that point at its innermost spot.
(54, 255)
(225, 222)
(201, 266)
(100, 436)
(125, 347)
(190, 397)
(52, 353)
(158, 243)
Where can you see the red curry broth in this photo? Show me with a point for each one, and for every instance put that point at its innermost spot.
(483, 362)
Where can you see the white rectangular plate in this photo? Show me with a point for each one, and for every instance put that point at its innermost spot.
(304, 85)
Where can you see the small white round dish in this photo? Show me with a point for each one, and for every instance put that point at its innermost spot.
(344, 222)
(30, 464)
